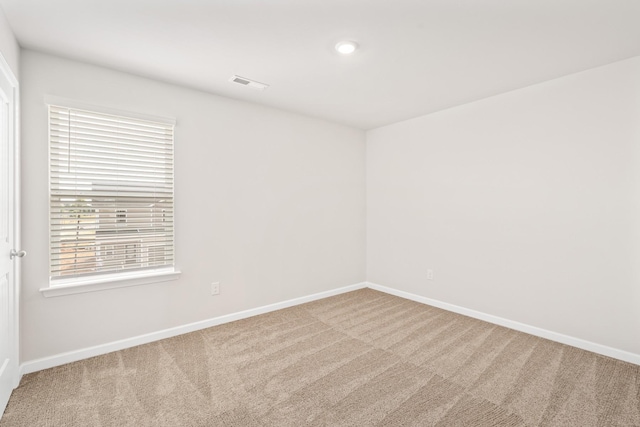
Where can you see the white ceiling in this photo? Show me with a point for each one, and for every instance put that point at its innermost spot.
(416, 56)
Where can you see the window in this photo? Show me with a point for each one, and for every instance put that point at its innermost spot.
(111, 196)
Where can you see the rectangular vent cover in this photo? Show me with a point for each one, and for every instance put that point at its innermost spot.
(248, 82)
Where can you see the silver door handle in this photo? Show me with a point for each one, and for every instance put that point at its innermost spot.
(18, 254)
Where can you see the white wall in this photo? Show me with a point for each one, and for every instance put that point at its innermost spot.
(9, 48)
(525, 205)
(272, 204)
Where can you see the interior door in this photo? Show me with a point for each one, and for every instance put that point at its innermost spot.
(9, 257)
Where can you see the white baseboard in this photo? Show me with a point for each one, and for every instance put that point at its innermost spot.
(539, 332)
(85, 353)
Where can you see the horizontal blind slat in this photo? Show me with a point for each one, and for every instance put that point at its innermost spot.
(108, 194)
(61, 160)
(94, 117)
(59, 247)
(62, 123)
(106, 254)
(62, 245)
(106, 147)
(107, 140)
(104, 173)
(109, 256)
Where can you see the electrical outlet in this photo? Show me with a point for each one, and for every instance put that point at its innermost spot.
(215, 288)
(429, 274)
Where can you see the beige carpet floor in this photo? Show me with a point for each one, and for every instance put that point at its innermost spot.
(363, 358)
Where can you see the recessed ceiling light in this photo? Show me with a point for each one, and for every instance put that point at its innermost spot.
(346, 47)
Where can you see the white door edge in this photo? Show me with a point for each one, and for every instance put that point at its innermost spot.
(14, 226)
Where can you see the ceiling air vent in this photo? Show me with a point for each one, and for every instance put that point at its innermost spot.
(248, 82)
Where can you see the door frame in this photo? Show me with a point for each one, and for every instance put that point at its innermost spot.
(14, 228)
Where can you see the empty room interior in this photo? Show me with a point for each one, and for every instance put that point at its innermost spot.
(320, 213)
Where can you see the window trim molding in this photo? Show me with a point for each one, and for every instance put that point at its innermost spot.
(109, 281)
(93, 283)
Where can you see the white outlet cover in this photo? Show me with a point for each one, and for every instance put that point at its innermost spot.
(215, 288)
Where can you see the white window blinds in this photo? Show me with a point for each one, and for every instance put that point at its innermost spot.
(111, 187)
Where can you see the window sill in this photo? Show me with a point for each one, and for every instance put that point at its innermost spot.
(112, 281)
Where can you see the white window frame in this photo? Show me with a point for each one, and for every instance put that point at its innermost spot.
(109, 280)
